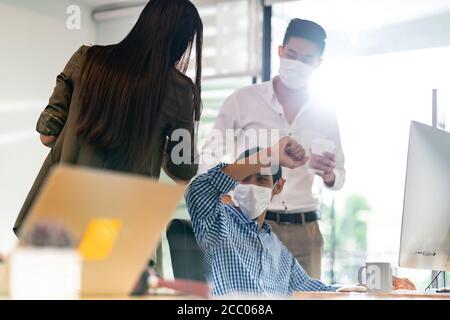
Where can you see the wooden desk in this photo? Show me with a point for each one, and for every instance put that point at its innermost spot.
(396, 295)
(154, 297)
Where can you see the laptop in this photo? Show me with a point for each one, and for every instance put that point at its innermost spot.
(115, 221)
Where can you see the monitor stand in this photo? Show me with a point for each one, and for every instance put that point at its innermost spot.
(439, 275)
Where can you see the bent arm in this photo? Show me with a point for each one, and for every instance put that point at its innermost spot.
(54, 116)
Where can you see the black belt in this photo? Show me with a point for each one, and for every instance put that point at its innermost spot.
(294, 218)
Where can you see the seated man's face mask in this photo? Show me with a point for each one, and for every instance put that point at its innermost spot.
(252, 199)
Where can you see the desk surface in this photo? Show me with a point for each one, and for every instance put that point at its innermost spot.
(396, 295)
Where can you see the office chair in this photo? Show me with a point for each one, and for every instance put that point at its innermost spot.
(186, 255)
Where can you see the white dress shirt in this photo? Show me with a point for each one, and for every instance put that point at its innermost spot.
(257, 107)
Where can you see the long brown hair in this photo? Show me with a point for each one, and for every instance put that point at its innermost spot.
(123, 85)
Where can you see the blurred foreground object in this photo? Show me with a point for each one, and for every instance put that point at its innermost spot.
(45, 265)
(4, 276)
(47, 235)
(182, 287)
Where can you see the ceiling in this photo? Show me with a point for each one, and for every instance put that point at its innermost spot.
(112, 3)
(365, 13)
(356, 14)
(98, 3)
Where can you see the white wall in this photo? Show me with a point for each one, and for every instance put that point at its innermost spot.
(34, 47)
(113, 31)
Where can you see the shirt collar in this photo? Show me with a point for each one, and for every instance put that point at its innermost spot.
(267, 227)
(271, 97)
(243, 219)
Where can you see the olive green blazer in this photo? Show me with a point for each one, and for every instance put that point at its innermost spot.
(59, 117)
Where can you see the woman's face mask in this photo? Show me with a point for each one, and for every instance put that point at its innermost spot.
(294, 74)
(252, 199)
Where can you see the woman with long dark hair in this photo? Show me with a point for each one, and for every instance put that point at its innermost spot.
(116, 106)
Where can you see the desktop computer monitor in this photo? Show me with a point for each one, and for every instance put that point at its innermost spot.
(425, 236)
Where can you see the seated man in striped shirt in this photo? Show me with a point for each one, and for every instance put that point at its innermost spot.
(243, 255)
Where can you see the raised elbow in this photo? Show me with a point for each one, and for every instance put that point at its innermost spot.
(48, 141)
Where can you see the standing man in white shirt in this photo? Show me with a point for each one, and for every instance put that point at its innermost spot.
(286, 104)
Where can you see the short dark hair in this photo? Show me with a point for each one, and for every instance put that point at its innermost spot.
(276, 168)
(308, 30)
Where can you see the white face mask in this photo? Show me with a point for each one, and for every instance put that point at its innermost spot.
(294, 74)
(253, 200)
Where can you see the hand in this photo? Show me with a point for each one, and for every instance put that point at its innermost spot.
(48, 141)
(324, 165)
(226, 199)
(291, 154)
(288, 154)
(402, 284)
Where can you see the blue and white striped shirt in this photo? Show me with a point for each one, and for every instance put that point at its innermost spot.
(242, 258)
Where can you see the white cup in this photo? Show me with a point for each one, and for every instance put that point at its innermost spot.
(47, 273)
(378, 276)
(318, 147)
(4, 279)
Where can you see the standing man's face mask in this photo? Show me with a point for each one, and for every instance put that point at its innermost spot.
(252, 199)
(294, 74)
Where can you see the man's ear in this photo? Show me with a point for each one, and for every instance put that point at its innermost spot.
(319, 63)
(278, 186)
(280, 52)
